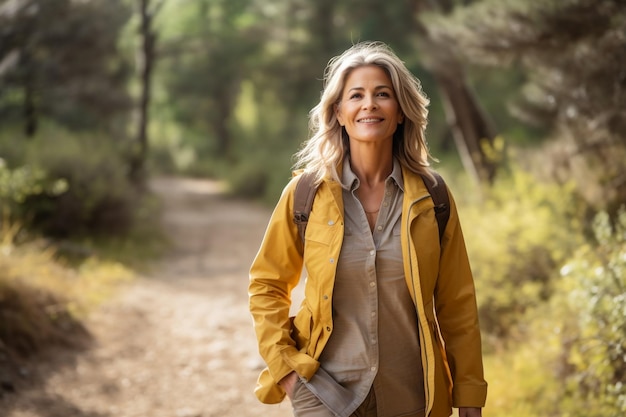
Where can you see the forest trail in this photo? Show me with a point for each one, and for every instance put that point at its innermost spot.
(176, 343)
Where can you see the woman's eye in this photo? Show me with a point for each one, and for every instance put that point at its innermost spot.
(355, 95)
(383, 94)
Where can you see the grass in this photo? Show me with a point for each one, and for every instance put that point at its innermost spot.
(43, 300)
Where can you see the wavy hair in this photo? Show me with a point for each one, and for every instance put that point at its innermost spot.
(328, 144)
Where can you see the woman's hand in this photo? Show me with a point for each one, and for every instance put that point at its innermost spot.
(288, 383)
(470, 412)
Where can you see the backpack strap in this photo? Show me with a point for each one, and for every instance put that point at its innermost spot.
(441, 199)
(304, 195)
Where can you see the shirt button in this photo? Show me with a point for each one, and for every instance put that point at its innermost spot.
(373, 341)
(386, 204)
(373, 314)
(373, 369)
(372, 284)
(372, 252)
(380, 228)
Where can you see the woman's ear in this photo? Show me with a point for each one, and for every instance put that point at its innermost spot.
(338, 114)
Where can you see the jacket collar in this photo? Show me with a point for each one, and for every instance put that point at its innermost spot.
(414, 187)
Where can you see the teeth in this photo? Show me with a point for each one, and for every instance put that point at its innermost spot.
(369, 120)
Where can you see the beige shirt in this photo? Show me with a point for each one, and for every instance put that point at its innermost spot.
(375, 339)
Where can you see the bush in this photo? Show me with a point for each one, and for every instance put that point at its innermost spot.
(518, 235)
(42, 301)
(593, 291)
(98, 197)
(573, 361)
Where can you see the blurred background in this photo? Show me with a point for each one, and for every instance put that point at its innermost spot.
(527, 121)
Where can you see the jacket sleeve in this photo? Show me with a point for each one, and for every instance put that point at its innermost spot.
(275, 271)
(457, 315)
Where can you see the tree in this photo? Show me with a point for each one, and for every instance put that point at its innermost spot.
(473, 131)
(146, 63)
(573, 53)
(205, 64)
(59, 59)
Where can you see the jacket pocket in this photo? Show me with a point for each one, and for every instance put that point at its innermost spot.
(319, 232)
(318, 243)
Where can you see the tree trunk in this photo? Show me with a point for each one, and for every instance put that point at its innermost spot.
(222, 130)
(323, 18)
(30, 110)
(146, 63)
(472, 130)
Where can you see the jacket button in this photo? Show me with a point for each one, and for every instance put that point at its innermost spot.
(331, 222)
(325, 297)
(332, 260)
(328, 328)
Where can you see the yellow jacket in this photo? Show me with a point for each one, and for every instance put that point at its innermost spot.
(438, 277)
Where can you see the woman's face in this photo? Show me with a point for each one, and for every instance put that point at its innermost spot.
(368, 106)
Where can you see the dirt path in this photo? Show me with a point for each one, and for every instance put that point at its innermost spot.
(178, 343)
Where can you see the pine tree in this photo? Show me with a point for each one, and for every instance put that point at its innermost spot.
(59, 59)
(574, 52)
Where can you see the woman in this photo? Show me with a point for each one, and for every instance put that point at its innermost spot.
(388, 326)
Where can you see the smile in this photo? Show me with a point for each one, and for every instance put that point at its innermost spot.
(369, 120)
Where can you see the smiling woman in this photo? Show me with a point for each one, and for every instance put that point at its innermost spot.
(370, 114)
(388, 326)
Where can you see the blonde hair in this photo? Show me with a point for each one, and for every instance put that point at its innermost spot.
(328, 145)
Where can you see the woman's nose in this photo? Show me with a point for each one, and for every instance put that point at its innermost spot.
(369, 103)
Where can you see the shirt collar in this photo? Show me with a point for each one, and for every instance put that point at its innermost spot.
(396, 174)
(350, 181)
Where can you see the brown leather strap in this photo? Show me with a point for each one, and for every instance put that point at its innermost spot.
(441, 199)
(304, 195)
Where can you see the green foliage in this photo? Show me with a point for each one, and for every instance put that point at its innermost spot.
(207, 71)
(262, 177)
(593, 289)
(69, 184)
(571, 52)
(99, 198)
(518, 233)
(572, 361)
(18, 184)
(236, 96)
(60, 61)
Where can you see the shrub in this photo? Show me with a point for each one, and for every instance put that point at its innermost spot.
(573, 361)
(43, 301)
(99, 198)
(16, 185)
(518, 235)
(593, 291)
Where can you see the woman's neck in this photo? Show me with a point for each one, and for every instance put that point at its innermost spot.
(372, 164)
